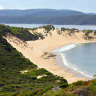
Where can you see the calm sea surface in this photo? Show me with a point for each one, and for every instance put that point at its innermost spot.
(80, 27)
(82, 58)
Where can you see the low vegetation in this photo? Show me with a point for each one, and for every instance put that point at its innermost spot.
(14, 82)
(21, 33)
(48, 27)
(80, 88)
(19, 76)
(87, 34)
(69, 31)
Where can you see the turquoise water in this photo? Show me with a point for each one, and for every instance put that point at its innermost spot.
(80, 27)
(82, 58)
(78, 58)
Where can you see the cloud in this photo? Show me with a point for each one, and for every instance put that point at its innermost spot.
(1, 8)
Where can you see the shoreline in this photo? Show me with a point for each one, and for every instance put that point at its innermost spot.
(63, 63)
(35, 52)
(69, 69)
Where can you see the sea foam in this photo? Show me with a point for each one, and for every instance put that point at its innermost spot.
(60, 51)
(64, 48)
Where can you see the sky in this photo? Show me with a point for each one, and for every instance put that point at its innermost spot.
(88, 6)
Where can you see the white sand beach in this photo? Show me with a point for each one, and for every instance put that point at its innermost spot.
(38, 51)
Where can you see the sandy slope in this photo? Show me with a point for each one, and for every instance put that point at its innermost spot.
(36, 50)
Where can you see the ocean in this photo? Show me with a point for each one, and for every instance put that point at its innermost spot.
(79, 58)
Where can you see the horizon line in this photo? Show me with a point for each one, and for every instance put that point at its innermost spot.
(45, 8)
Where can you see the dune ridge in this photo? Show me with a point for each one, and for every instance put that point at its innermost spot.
(40, 51)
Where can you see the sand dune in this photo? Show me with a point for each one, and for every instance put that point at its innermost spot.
(38, 51)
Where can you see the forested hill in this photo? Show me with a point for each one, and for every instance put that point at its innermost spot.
(40, 12)
(60, 20)
(47, 16)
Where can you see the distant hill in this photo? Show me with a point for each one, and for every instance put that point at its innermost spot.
(39, 12)
(47, 16)
(75, 20)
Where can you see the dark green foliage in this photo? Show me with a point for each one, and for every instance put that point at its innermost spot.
(4, 30)
(63, 29)
(11, 63)
(40, 35)
(80, 88)
(78, 83)
(63, 85)
(94, 32)
(70, 31)
(21, 33)
(15, 83)
(87, 34)
(48, 27)
(6, 45)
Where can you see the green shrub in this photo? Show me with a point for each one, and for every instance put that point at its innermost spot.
(78, 83)
(48, 27)
(63, 85)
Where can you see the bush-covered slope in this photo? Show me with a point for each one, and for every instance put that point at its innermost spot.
(15, 81)
(80, 88)
(20, 77)
(23, 33)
